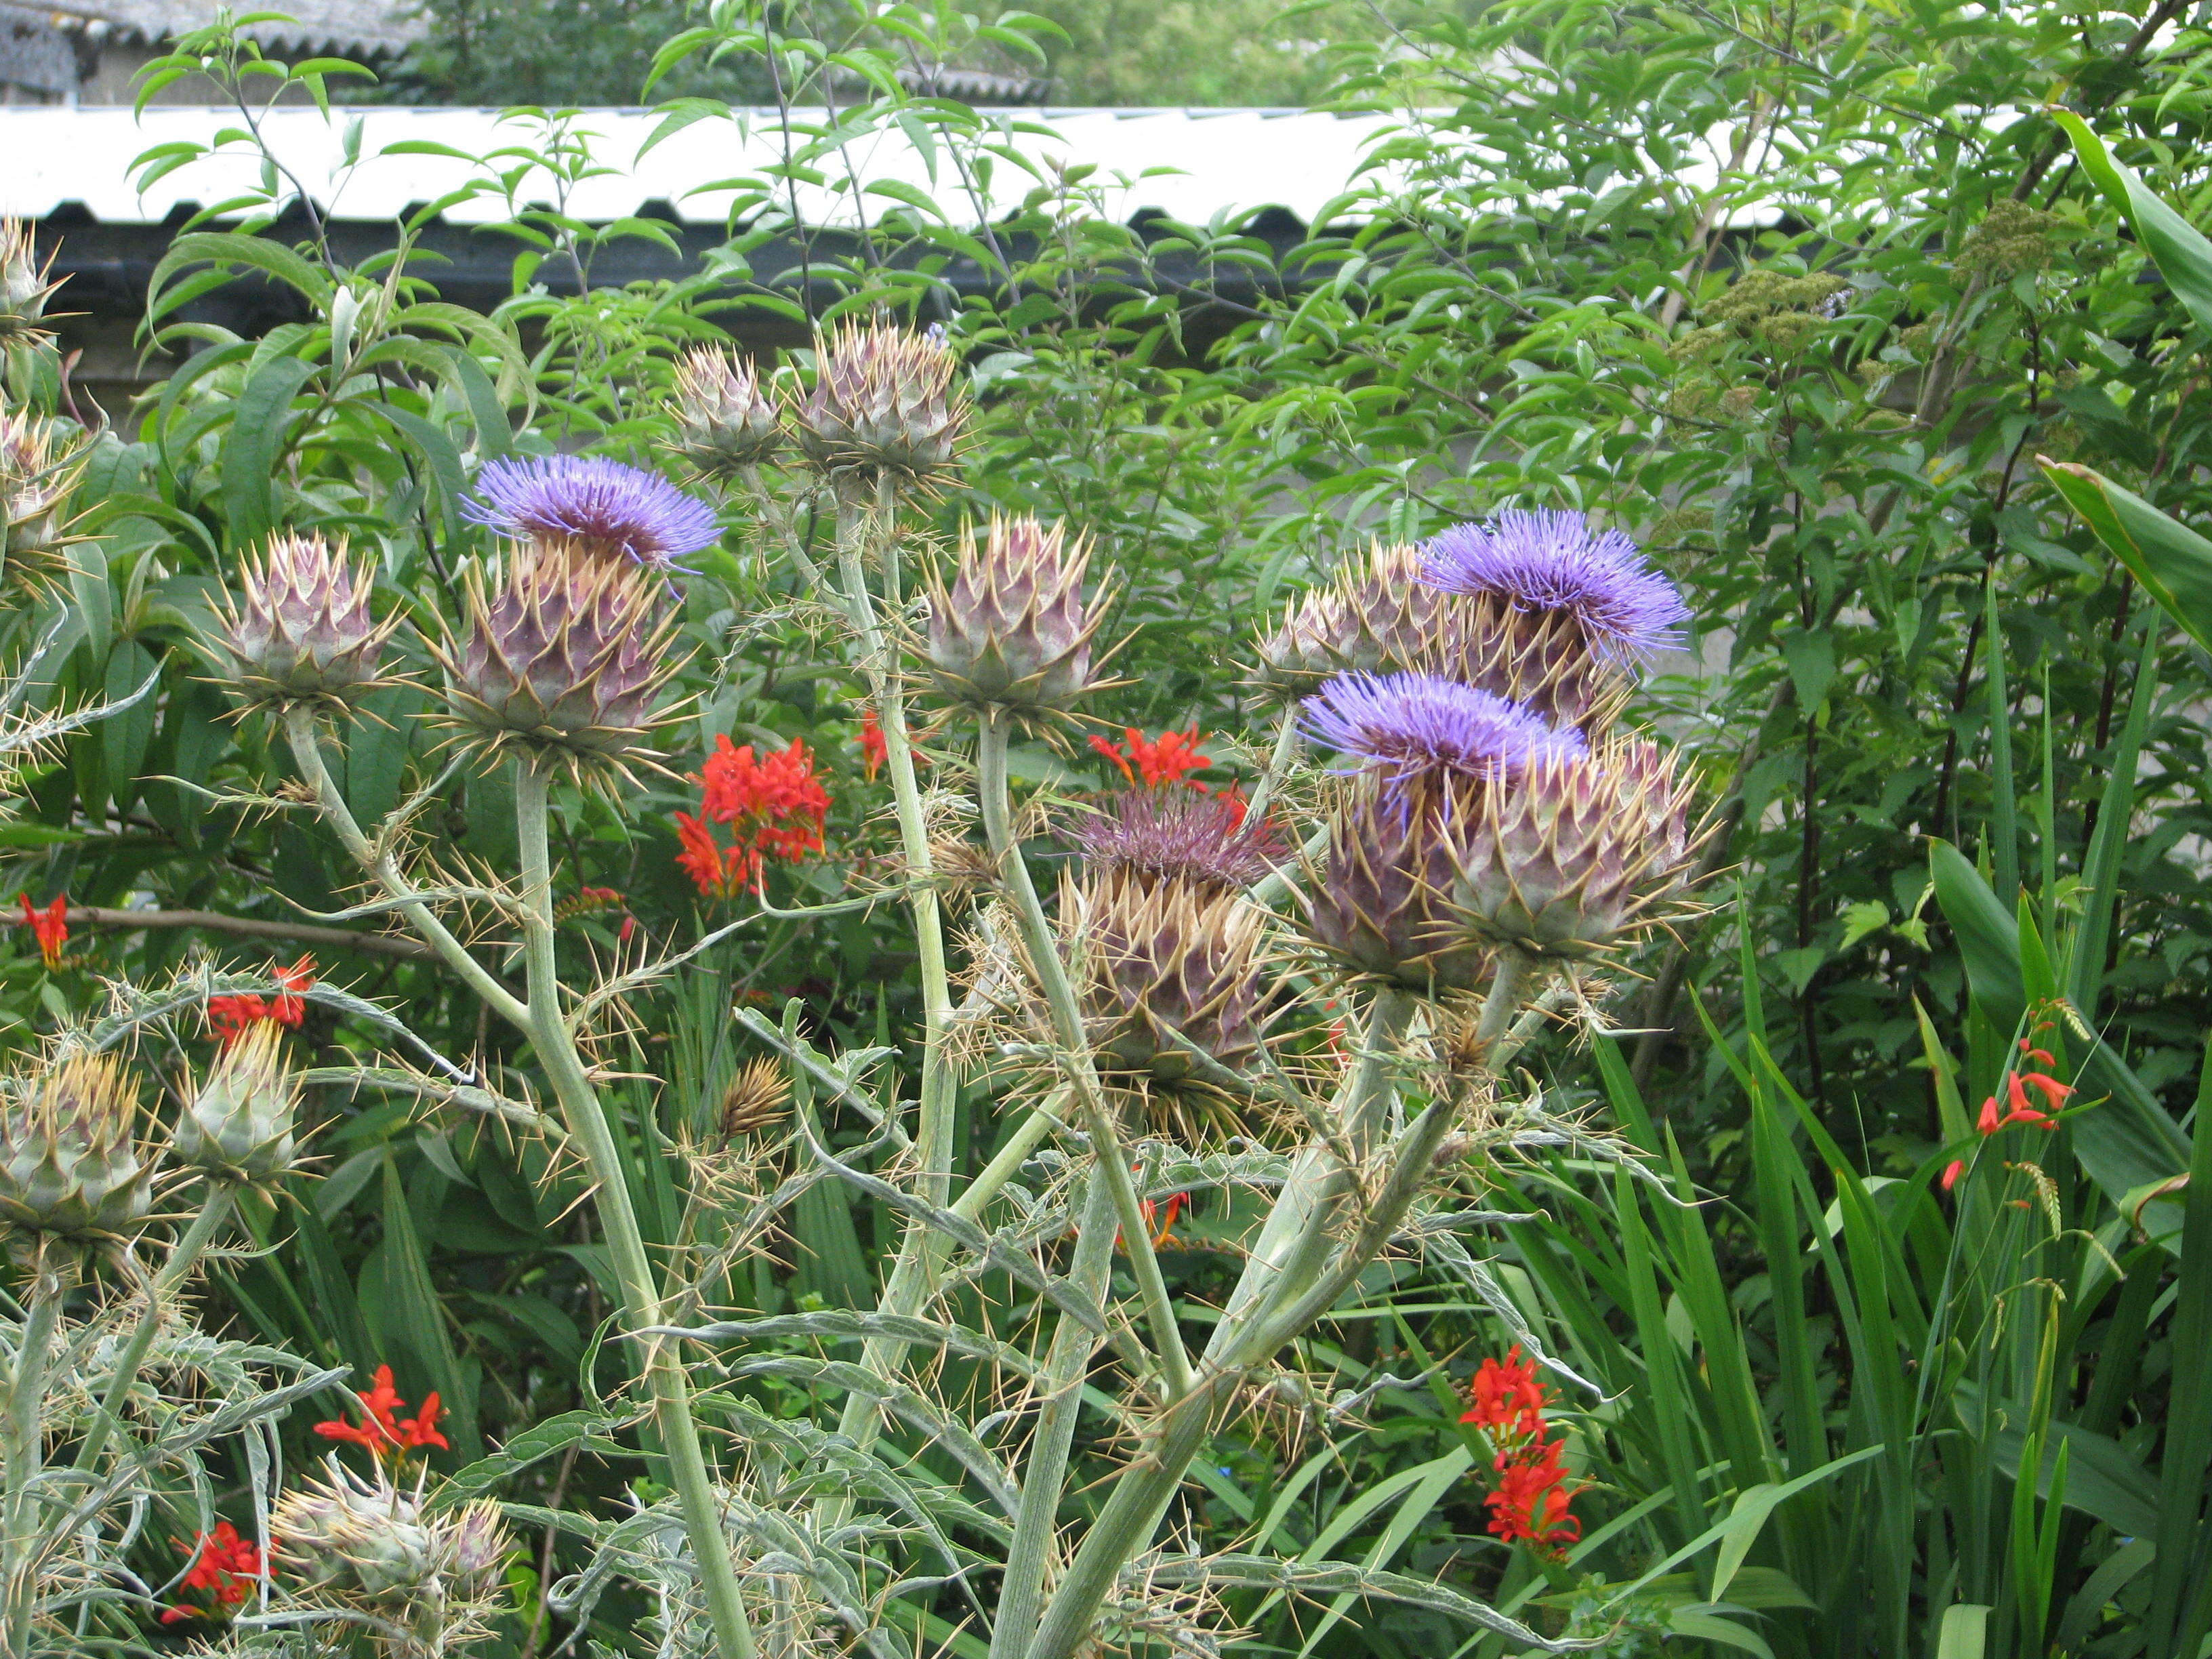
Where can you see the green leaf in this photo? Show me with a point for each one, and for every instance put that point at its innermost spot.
(591, 1431)
(2184, 257)
(2172, 562)
(259, 431)
(1812, 659)
(1964, 1629)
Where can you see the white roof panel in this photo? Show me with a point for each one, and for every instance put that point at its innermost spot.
(1224, 160)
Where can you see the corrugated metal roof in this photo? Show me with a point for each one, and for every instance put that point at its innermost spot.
(1208, 162)
(372, 27)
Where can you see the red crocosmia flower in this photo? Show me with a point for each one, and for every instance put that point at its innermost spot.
(1155, 762)
(48, 926)
(775, 808)
(1988, 1122)
(1952, 1172)
(229, 1018)
(874, 749)
(287, 1007)
(2054, 1092)
(1530, 1503)
(222, 1565)
(1507, 1396)
(382, 1430)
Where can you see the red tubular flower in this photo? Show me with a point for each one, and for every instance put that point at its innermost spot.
(229, 1018)
(222, 1565)
(382, 1430)
(775, 806)
(874, 749)
(1530, 1503)
(287, 1007)
(1988, 1122)
(1952, 1172)
(1155, 762)
(48, 926)
(1507, 1396)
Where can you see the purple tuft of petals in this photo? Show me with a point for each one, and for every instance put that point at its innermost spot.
(1417, 725)
(1553, 561)
(601, 504)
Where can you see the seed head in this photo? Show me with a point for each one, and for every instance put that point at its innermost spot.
(303, 632)
(38, 469)
(70, 1161)
(1180, 834)
(1381, 902)
(595, 506)
(1586, 850)
(883, 398)
(1625, 611)
(1013, 628)
(239, 1125)
(755, 1098)
(1411, 726)
(24, 289)
(562, 654)
(724, 421)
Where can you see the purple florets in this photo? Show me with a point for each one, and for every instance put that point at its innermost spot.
(1208, 839)
(596, 503)
(1417, 725)
(1554, 562)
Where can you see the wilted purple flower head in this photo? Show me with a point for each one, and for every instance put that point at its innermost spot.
(1206, 839)
(599, 506)
(1555, 562)
(1421, 725)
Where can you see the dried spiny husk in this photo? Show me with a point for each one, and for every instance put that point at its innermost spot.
(755, 1098)
(1379, 903)
(1169, 952)
(39, 468)
(365, 1542)
(1539, 658)
(241, 1124)
(724, 422)
(70, 1161)
(561, 656)
(303, 631)
(1375, 615)
(883, 398)
(24, 289)
(1580, 852)
(1013, 628)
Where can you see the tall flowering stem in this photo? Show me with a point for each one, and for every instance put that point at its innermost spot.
(586, 1115)
(22, 1449)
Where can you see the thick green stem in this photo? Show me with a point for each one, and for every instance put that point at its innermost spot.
(1498, 1007)
(859, 1422)
(183, 1256)
(23, 1457)
(1044, 1470)
(588, 1125)
(1043, 951)
(378, 862)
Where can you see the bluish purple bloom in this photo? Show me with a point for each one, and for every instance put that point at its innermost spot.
(1414, 725)
(1555, 562)
(599, 504)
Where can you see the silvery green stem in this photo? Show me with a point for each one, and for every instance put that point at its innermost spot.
(22, 1457)
(933, 1129)
(1506, 984)
(1044, 1469)
(588, 1124)
(183, 1256)
(307, 754)
(1043, 952)
(793, 544)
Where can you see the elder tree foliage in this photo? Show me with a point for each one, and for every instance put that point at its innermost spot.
(1796, 297)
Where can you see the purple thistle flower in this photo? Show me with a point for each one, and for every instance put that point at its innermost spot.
(1206, 839)
(1418, 725)
(601, 505)
(1555, 562)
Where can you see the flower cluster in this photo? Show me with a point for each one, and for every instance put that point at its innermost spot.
(2018, 1108)
(874, 750)
(48, 925)
(230, 1018)
(1156, 763)
(774, 804)
(223, 1566)
(1529, 1505)
(382, 1430)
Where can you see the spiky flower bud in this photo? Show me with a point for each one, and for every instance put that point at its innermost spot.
(1379, 903)
(724, 421)
(239, 1125)
(1013, 628)
(562, 654)
(24, 289)
(71, 1162)
(1539, 658)
(1180, 834)
(38, 469)
(303, 631)
(1582, 851)
(1171, 953)
(883, 397)
(365, 1542)
(1375, 614)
